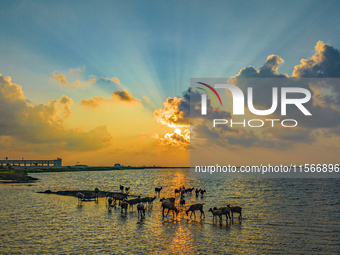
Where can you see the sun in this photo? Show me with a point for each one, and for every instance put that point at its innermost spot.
(177, 131)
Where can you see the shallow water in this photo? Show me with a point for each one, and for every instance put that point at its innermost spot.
(300, 216)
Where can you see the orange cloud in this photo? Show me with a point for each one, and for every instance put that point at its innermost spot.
(113, 79)
(43, 125)
(154, 135)
(62, 79)
(175, 139)
(123, 95)
(147, 100)
(171, 115)
(93, 102)
(324, 63)
(10, 90)
(118, 95)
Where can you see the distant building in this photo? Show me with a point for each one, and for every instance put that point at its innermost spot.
(31, 163)
(117, 165)
(80, 166)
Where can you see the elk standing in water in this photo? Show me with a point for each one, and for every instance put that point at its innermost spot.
(80, 197)
(193, 208)
(235, 209)
(158, 190)
(141, 210)
(96, 193)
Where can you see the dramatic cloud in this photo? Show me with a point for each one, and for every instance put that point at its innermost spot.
(44, 123)
(268, 70)
(176, 139)
(172, 115)
(325, 102)
(325, 63)
(324, 105)
(116, 96)
(176, 112)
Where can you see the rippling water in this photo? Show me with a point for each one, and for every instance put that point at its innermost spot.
(279, 216)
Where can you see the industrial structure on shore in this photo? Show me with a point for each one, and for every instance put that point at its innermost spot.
(23, 163)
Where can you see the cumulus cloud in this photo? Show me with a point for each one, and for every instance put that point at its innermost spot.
(324, 105)
(43, 124)
(325, 102)
(325, 63)
(10, 90)
(268, 70)
(176, 112)
(175, 139)
(172, 115)
(116, 96)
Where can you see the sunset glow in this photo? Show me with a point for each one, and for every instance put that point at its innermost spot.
(177, 131)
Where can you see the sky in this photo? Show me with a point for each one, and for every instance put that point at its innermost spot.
(96, 82)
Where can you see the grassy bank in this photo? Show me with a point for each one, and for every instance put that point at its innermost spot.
(76, 169)
(15, 176)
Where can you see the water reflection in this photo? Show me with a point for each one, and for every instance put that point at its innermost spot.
(278, 216)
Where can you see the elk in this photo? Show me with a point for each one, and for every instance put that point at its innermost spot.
(158, 190)
(80, 197)
(195, 207)
(141, 210)
(197, 191)
(96, 192)
(133, 201)
(166, 204)
(235, 209)
(182, 201)
(123, 206)
(216, 212)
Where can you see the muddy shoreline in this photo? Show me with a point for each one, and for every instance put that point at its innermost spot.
(15, 176)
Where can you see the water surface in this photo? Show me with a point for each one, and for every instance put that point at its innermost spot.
(300, 216)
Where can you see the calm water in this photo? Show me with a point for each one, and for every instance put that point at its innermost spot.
(279, 216)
